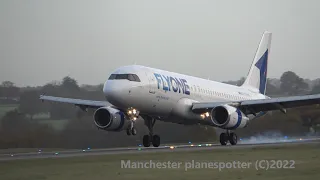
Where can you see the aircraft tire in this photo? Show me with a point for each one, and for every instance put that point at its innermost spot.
(156, 141)
(223, 139)
(146, 141)
(133, 131)
(233, 138)
(128, 131)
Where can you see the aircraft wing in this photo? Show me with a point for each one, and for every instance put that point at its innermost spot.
(258, 105)
(77, 102)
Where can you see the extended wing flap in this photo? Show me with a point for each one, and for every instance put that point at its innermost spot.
(282, 102)
(258, 105)
(78, 102)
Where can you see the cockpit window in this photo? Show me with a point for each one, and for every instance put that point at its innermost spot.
(113, 76)
(130, 77)
(122, 76)
(136, 77)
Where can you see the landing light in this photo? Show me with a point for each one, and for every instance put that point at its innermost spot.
(134, 118)
(204, 115)
(129, 112)
(134, 111)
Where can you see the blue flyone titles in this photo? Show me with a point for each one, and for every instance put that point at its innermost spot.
(172, 84)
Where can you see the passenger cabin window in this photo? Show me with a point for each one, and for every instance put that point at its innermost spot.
(130, 77)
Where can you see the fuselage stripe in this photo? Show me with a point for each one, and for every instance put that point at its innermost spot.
(122, 119)
(239, 120)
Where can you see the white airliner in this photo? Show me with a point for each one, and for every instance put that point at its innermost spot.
(142, 93)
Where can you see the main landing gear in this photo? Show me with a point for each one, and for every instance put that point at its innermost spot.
(151, 138)
(231, 137)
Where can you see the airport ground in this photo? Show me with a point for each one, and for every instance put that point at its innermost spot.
(306, 157)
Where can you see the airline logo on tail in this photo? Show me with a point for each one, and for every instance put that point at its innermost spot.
(262, 65)
(257, 76)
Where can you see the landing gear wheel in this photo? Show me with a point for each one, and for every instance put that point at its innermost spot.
(233, 138)
(146, 140)
(156, 141)
(128, 131)
(133, 131)
(223, 139)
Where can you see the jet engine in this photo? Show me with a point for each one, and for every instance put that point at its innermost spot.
(228, 117)
(110, 119)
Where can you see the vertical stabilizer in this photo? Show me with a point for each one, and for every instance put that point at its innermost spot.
(257, 76)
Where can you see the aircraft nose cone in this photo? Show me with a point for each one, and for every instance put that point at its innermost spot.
(106, 89)
(114, 93)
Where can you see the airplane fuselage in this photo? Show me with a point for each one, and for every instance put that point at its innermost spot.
(165, 94)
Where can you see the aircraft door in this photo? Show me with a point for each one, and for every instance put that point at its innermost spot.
(151, 84)
(151, 97)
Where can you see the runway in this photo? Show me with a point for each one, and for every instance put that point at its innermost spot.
(171, 148)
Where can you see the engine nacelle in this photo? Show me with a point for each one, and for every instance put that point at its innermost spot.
(110, 119)
(228, 117)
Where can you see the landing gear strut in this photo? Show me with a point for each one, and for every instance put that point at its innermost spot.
(231, 137)
(131, 130)
(133, 114)
(151, 138)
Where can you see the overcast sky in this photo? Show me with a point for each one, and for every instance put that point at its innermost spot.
(42, 40)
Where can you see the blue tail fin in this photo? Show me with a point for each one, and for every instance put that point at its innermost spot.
(257, 76)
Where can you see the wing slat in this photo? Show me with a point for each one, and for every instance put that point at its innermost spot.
(77, 102)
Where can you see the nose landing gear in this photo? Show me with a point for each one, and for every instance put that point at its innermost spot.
(133, 114)
(131, 130)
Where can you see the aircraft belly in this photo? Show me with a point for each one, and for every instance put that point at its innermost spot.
(179, 120)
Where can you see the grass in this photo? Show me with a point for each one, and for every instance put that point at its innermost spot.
(306, 157)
